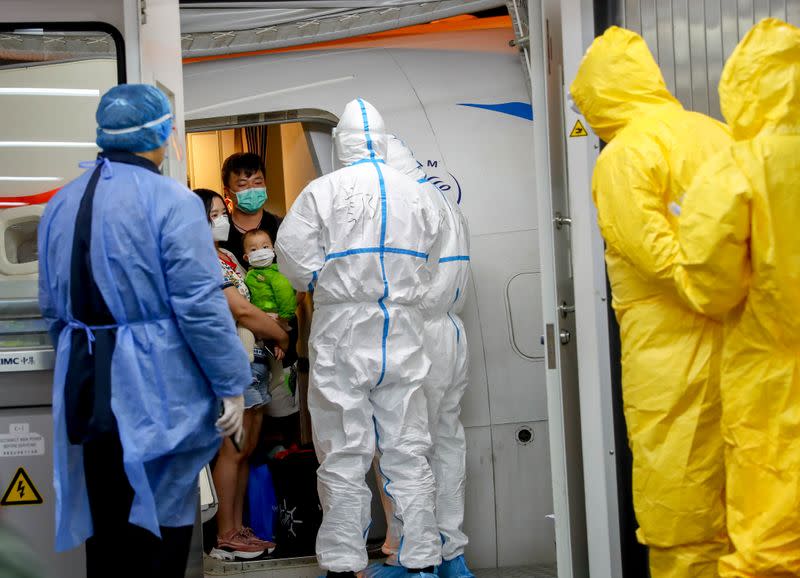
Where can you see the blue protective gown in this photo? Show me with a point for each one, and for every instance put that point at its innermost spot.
(176, 350)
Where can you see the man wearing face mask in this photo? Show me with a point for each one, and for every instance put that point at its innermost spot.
(244, 180)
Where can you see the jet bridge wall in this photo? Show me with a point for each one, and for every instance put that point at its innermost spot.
(692, 39)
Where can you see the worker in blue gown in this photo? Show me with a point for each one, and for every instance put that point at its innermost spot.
(147, 351)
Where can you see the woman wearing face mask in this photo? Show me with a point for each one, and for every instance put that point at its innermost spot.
(231, 472)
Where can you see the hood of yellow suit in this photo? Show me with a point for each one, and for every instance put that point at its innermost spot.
(618, 80)
(759, 90)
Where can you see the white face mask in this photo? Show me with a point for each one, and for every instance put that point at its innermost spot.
(261, 257)
(220, 227)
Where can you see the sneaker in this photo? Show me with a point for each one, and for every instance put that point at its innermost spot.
(232, 546)
(455, 568)
(249, 536)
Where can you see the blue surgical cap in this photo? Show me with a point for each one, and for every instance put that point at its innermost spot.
(134, 118)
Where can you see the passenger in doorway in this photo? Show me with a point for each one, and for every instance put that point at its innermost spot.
(270, 291)
(146, 347)
(244, 179)
(243, 175)
(367, 239)
(739, 263)
(446, 346)
(232, 470)
(670, 354)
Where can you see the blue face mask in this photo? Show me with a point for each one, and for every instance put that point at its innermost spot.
(251, 200)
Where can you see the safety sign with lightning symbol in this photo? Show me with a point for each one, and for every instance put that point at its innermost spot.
(21, 491)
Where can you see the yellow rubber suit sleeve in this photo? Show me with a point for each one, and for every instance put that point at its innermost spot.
(713, 269)
(628, 186)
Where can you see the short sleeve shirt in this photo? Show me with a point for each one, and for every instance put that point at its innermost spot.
(233, 273)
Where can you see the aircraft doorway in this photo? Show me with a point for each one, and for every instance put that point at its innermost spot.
(296, 148)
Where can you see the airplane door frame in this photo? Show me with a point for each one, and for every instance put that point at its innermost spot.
(157, 61)
(575, 301)
(561, 359)
(592, 307)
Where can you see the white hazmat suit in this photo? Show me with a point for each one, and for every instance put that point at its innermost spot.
(446, 346)
(366, 239)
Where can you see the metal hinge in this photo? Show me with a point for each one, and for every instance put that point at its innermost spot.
(550, 341)
(143, 11)
(561, 221)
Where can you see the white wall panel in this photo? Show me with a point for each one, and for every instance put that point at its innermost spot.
(475, 403)
(524, 496)
(516, 385)
(34, 524)
(479, 515)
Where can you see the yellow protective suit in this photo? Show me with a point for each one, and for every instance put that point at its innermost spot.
(669, 353)
(740, 230)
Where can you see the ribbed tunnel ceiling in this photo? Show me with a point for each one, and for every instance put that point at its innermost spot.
(209, 28)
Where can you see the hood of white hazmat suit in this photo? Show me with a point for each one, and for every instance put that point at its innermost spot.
(352, 142)
(669, 353)
(400, 157)
(739, 261)
(366, 239)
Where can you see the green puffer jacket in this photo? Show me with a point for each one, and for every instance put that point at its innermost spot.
(270, 291)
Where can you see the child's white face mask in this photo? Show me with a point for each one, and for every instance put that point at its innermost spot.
(261, 257)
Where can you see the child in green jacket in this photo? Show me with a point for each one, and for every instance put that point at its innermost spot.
(270, 291)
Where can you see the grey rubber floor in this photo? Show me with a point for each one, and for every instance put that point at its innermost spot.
(288, 569)
(518, 572)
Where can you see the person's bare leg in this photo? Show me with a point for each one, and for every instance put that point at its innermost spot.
(252, 425)
(226, 474)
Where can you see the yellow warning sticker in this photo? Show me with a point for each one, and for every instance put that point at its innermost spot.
(21, 491)
(578, 130)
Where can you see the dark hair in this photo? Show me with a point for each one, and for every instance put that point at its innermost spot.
(253, 233)
(208, 196)
(247, 163)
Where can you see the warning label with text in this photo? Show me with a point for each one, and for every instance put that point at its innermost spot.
(20, 441)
